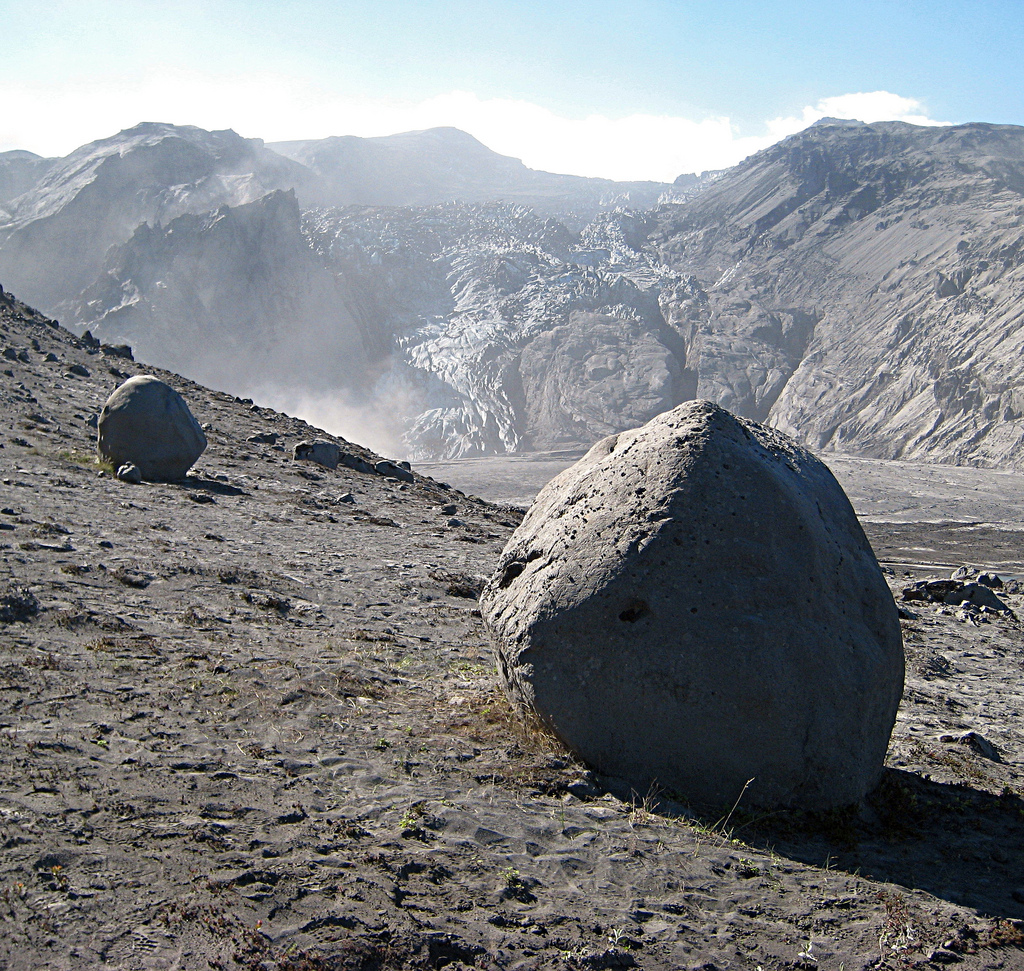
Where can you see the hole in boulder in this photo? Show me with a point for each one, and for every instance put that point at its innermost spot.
(635, 610)
(510, 573)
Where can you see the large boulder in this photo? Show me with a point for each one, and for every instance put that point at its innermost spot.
(147, 423)
(694, 605)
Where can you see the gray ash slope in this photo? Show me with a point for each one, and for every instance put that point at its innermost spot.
(857, 286)
(250, 722)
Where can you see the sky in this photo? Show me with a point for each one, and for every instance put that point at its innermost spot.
(646, 89)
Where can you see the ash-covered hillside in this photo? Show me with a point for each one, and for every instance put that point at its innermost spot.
(252, 720)
(860, 288)
(855, 285)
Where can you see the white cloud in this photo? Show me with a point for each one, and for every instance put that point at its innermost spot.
(867, 106)
(52, 120)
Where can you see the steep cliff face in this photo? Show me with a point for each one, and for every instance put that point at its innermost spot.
(863, 289)
(502, 333)
(53, 243)
(19, 171)
(233, 296)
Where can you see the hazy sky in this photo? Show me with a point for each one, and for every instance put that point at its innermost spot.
(627, 90)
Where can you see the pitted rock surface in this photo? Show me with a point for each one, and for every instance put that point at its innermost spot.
(694, 605)
(146, 423)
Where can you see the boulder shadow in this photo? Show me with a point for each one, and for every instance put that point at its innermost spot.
(198, 485)
(958, 843)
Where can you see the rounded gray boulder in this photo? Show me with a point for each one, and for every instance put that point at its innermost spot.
(694, 605)
(147, 423)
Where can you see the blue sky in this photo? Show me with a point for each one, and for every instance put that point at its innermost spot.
(642, 89)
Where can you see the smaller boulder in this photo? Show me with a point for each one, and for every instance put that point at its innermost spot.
(323, 453)
(148, 424)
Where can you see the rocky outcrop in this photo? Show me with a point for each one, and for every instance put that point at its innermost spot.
(592, 375)
(146, 431)
(694, 606)
(53, 243)
(233, 297)
(862, 289)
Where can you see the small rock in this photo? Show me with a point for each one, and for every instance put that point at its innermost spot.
(971, 573)
(79, 369)
(129, 472)
(449, 509)
(327, 454)
(263, 438)
(355, 463)
(394, 470)
(51, 358)
(943, 956)
(981, 745)
(117, 350)
(16, 604)
(348, 497)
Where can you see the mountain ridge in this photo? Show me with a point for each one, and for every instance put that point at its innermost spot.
(857, 286)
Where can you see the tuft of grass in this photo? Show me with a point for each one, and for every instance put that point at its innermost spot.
(87, 460)
(489, 717)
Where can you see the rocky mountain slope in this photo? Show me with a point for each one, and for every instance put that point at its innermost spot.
(70, 210)
(856, 285)
(53, 243)
(860, 286)
(251, 720)
(234, 298)
(19, 171)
